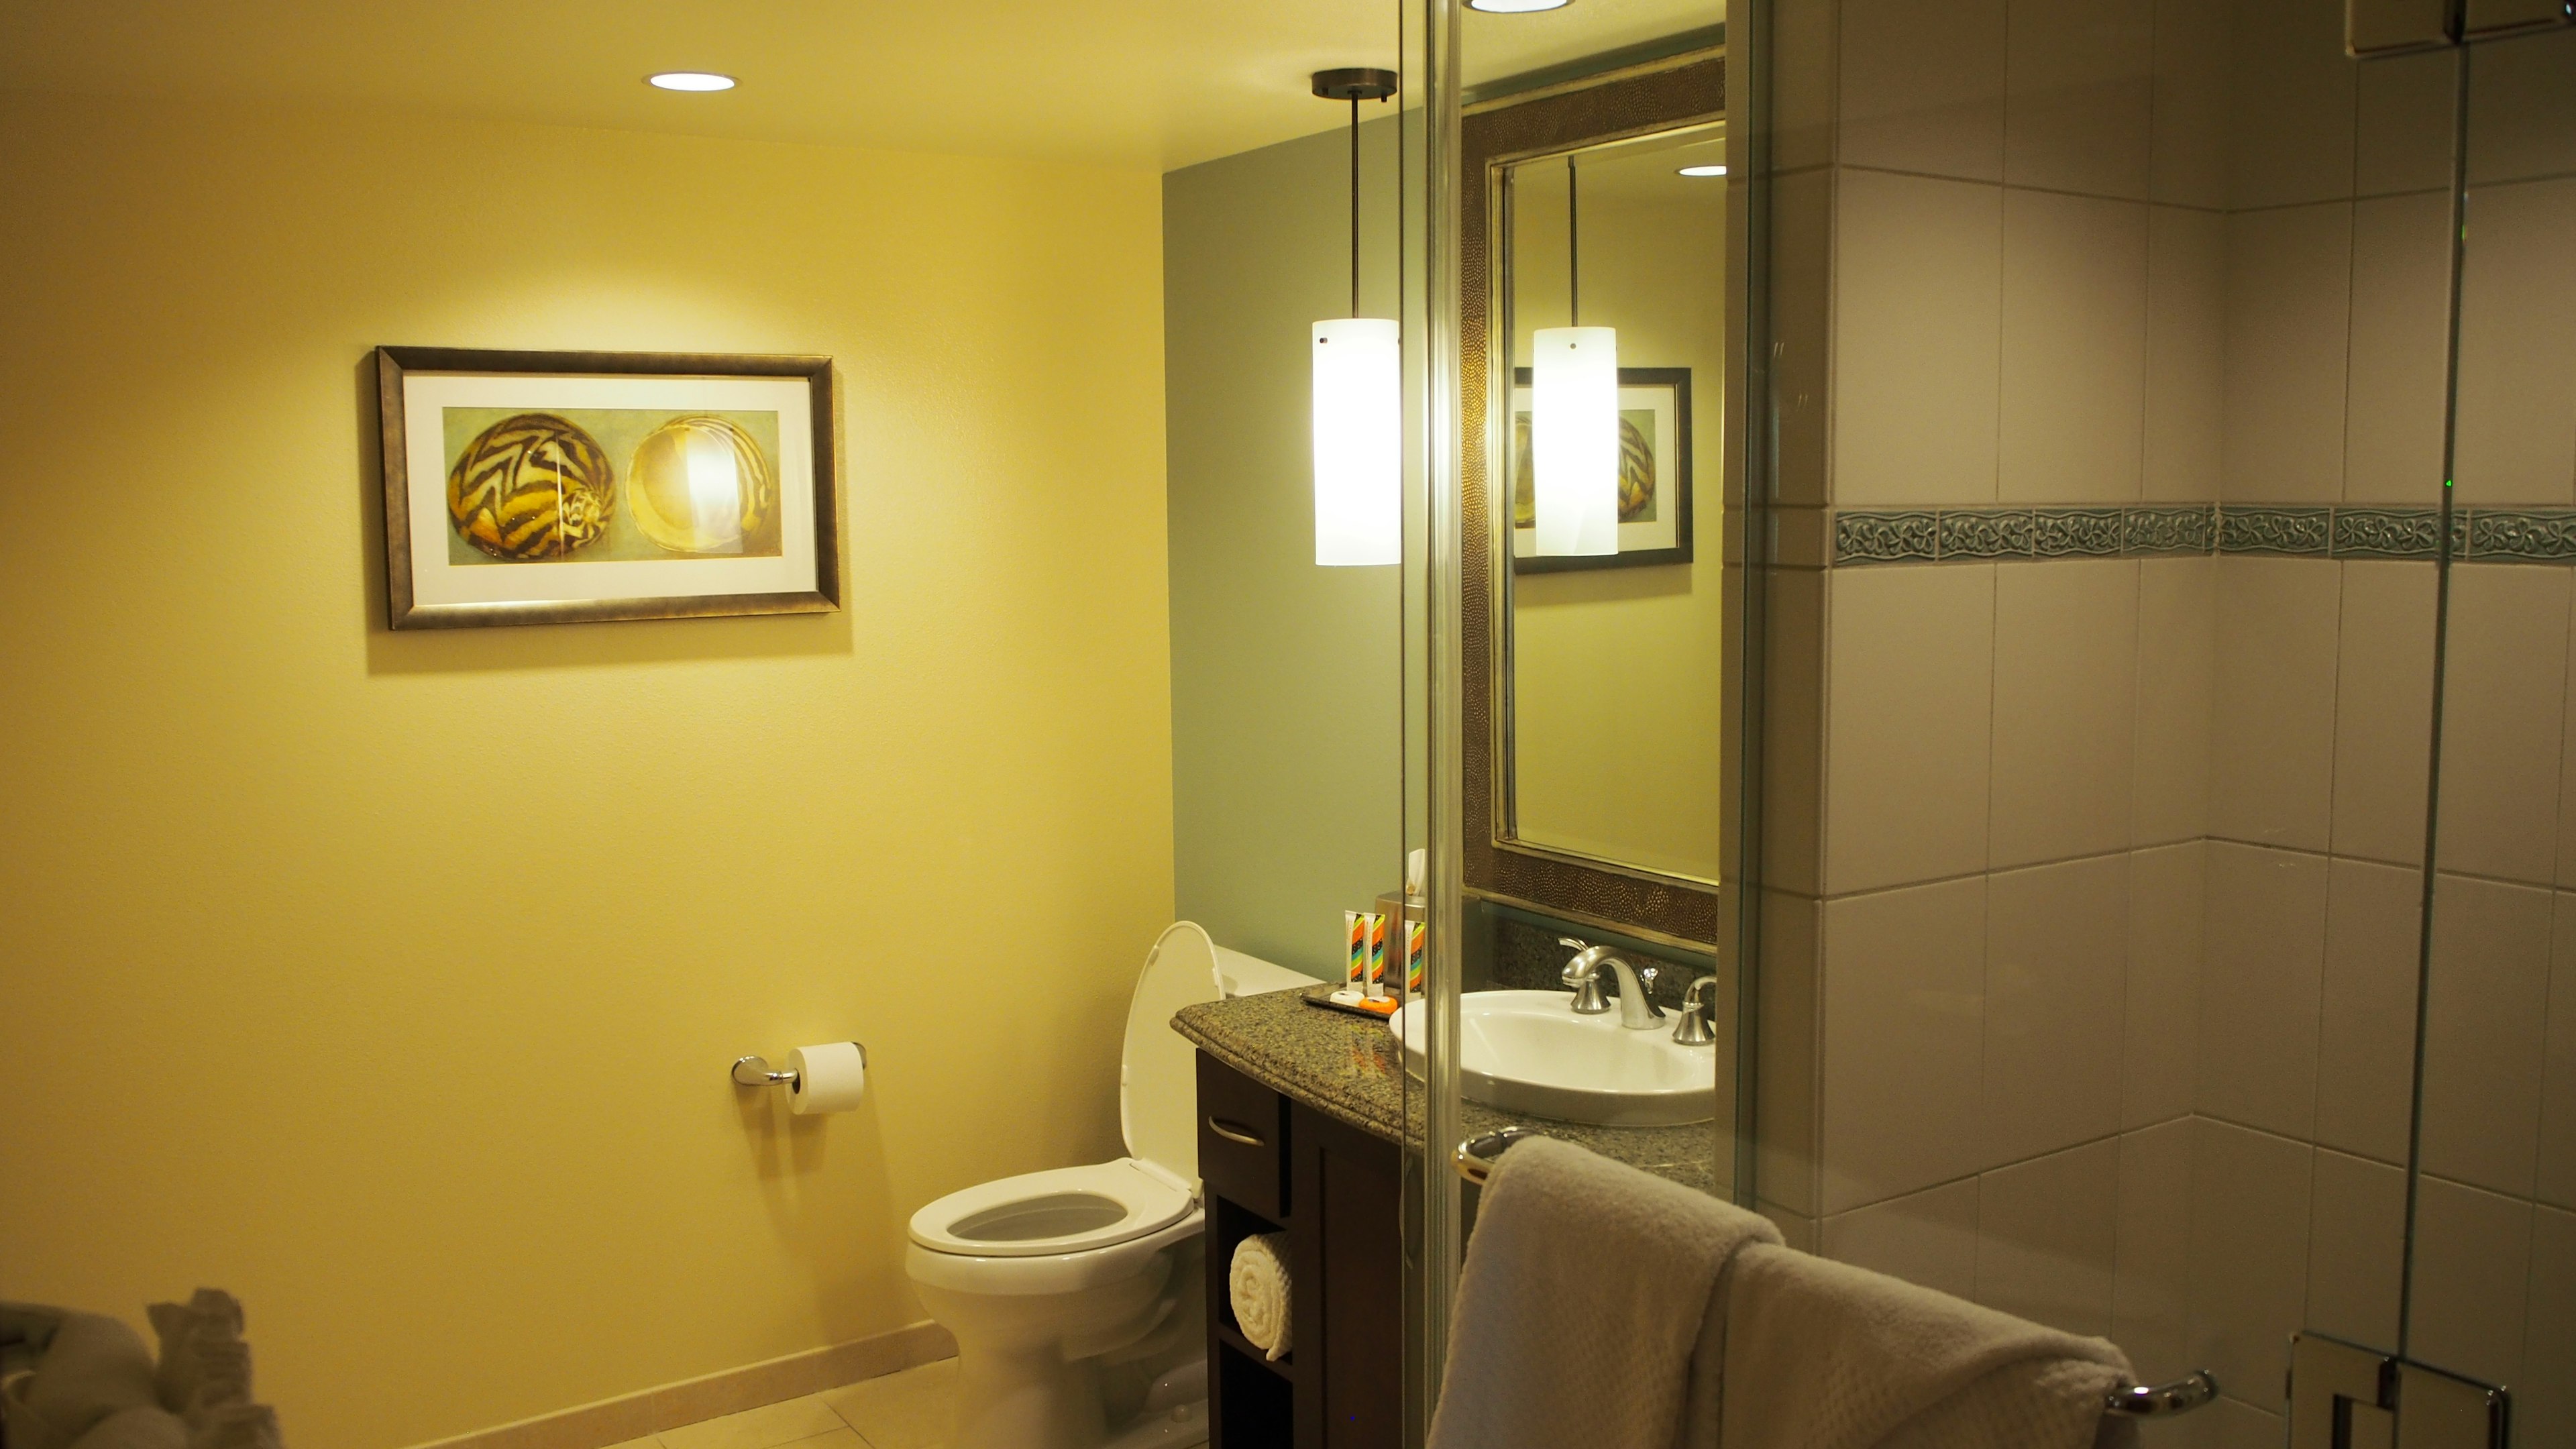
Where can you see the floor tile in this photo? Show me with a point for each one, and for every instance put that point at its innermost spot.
(766, 1427)
(914, 1409)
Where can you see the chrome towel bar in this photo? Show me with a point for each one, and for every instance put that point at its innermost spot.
(1474, 1160)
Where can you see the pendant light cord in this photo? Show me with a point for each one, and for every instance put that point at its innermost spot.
(1573, 253)
(1355, 204)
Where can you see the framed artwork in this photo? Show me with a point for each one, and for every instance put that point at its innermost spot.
(559, 487)
(1654, 475)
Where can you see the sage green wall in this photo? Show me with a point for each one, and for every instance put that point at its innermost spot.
(1287, 729)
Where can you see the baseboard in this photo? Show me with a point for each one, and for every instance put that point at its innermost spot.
(614, 1421)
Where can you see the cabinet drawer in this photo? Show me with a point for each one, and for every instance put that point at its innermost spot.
(1243, 1139)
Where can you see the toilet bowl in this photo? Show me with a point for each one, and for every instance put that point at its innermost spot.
(1078, 1295)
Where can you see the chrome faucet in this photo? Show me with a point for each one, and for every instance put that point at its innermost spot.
(1637, 1008)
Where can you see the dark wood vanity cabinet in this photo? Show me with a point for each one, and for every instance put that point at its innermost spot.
(1270, 1163)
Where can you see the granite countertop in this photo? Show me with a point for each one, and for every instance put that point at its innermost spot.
(1349, 1068)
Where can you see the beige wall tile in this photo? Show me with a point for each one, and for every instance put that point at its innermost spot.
(1803, 67)
(2289, 290)
(2366, 1031)
(1922, 88)
(2160, 1023)
(2522, 109)
(2152, 1283)
(1903, 1027)
(1788, 1042)
(1908, 698)
(2271, 754)
(2558, 1062)
(2402, 139)
(2065, 682)
(2260, 991)
(1918, 298)
(2290, 103)
(2356, 1248)
(2383, 741)
(2177, 668)
(1793, 741)
(2545, 1408)
(2189, 161)
(1802, 252)
(2056, 961)
(1796, 1229)
(915, 1409)
(2047, 1236)
(1928, 1238)
(2517, 423)
(2074, 349)
(2079, 81)
(2249, 1237)
(2231, 1423)
(2485, 1021)
(762, 1428)
(2504, 703)
(2472, 1280)
(2395, 393)
(2186, 353)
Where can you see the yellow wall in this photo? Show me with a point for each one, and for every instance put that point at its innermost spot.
(389, 980)
(1618, 694)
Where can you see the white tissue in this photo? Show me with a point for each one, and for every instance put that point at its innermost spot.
(1258, 1285)
(830, 1077)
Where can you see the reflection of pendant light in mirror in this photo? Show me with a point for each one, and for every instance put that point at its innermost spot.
(1574, 419)
(1359, 391)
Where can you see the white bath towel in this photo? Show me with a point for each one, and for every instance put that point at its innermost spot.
(1823, 1355)
(1257, 1283)
(1585, 1293)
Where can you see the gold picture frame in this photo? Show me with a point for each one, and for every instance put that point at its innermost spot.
(572, 487)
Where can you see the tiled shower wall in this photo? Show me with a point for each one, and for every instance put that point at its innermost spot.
(2093, 851)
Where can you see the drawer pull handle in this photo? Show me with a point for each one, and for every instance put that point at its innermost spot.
(1235, 1132)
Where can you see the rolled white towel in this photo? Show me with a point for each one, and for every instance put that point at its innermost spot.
(1258, 1285)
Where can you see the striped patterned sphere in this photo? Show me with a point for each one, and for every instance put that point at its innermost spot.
(531, 487)
(700, 485)
(1636, 473)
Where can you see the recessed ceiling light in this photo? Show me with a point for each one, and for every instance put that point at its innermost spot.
(691, 80)
(1515, 7)
(1702, 171)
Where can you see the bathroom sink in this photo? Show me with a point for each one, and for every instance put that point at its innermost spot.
(1528, 1051)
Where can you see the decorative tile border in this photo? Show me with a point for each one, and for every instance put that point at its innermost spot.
(1940, 535)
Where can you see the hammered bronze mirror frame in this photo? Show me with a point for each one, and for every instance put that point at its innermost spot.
(1681, 91)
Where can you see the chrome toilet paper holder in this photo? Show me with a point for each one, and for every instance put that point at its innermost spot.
(753, 1071)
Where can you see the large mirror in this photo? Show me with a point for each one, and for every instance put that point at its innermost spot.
(1597, 210)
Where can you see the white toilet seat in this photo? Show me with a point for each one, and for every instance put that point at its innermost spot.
(1047, 1214)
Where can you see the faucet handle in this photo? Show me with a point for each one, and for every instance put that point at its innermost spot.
(1694, 1029)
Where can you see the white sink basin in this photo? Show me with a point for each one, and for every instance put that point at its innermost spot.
(1527, 1051)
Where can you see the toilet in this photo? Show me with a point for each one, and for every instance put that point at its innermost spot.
(1078, 1295)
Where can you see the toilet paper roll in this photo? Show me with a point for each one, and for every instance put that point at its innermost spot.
(830, 1077)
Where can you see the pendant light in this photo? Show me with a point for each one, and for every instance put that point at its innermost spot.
(1359, 391)
(1574, 419)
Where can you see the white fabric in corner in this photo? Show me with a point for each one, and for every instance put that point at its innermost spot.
(1585, 1292)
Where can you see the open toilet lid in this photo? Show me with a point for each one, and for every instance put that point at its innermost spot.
(1158, 1074)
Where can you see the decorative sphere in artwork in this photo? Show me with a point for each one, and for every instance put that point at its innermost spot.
(700, 485)
(531, 487)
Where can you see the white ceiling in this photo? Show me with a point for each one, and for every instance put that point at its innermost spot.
(1149, 84)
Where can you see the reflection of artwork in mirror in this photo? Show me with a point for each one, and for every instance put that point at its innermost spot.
(1654, 475)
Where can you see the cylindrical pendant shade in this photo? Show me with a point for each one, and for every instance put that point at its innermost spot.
(1574, 438)
(1359, 442)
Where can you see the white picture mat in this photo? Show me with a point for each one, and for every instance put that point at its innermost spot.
(1665, 530)
(434, 580)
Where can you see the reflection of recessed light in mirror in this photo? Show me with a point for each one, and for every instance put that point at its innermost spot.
(691, 80)
(1702, 171)
(1515, 7)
